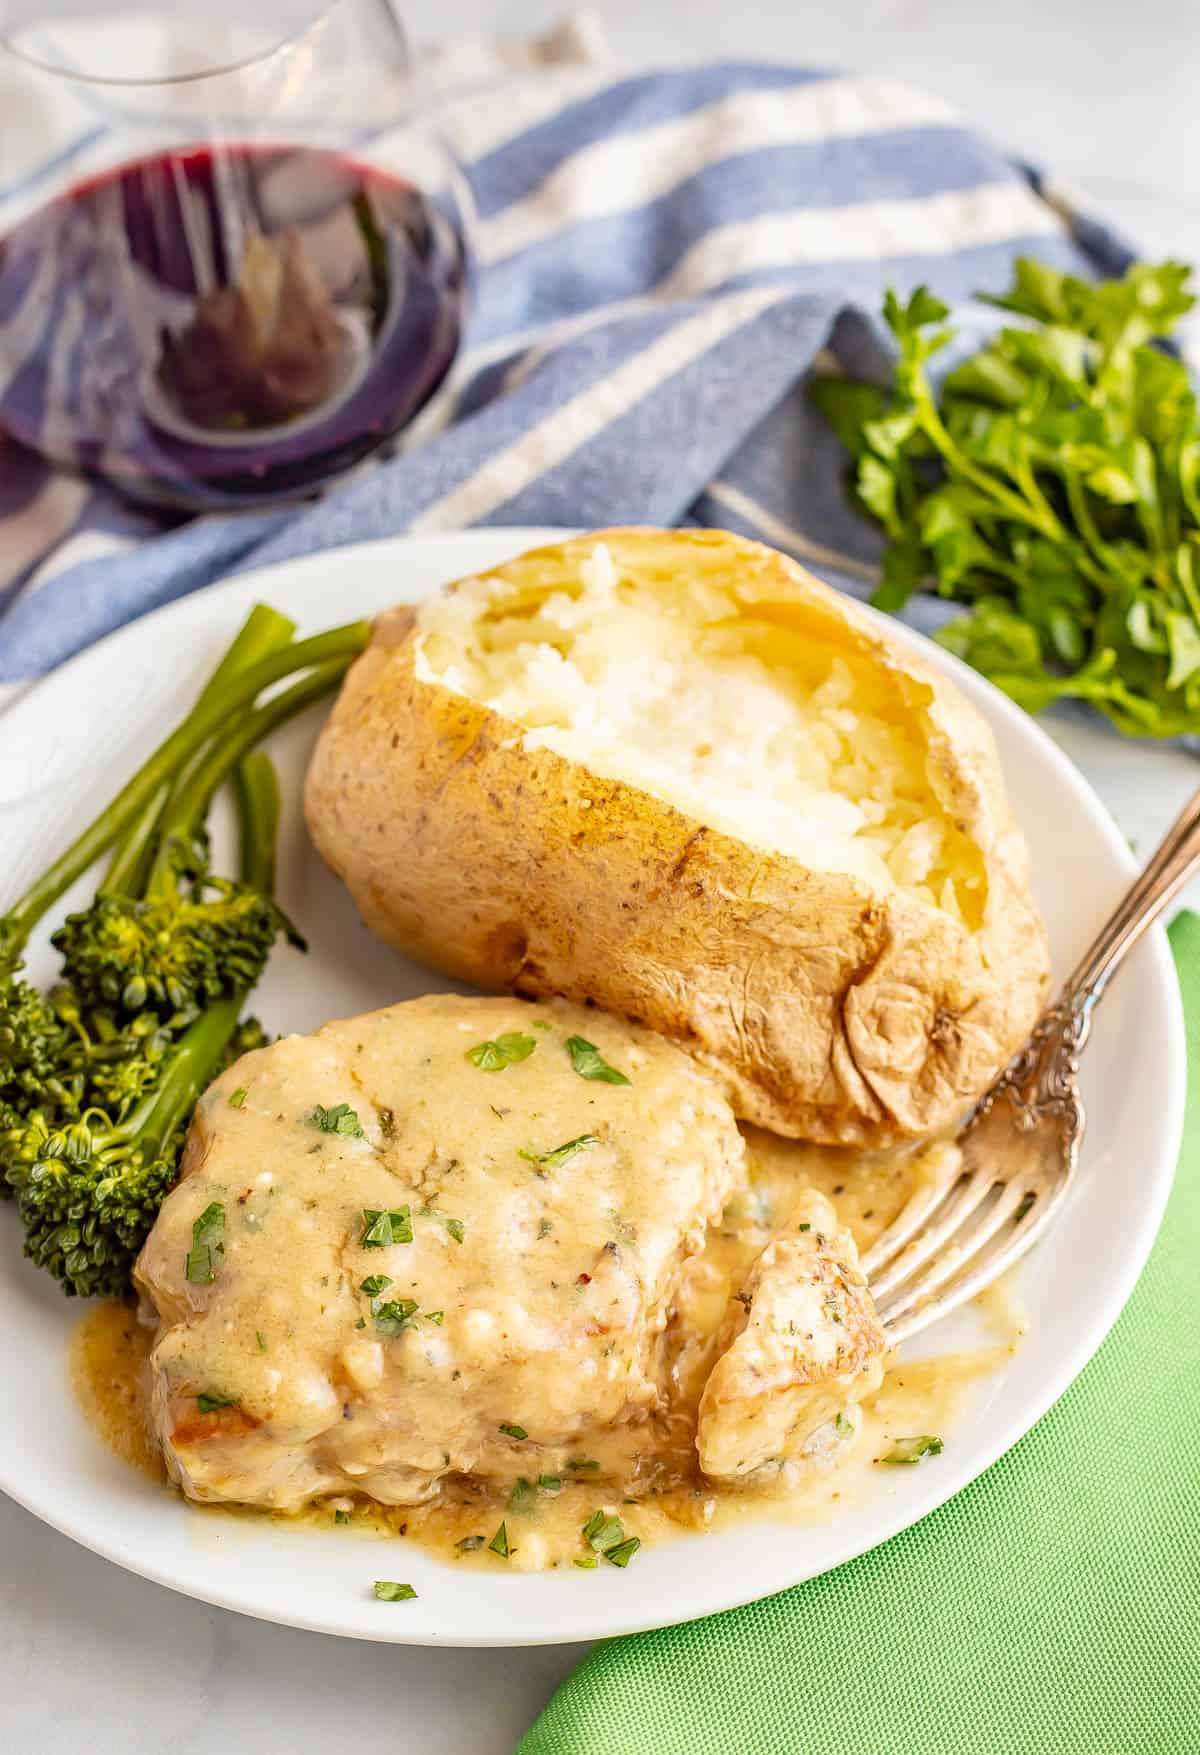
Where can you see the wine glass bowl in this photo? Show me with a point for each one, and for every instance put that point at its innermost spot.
(241, 259)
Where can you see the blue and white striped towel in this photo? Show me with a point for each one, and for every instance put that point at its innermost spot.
(663, 258)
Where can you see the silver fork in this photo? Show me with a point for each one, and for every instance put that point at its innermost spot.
(1020, 1144)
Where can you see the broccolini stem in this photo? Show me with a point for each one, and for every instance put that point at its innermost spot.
(264, 630)
(188, 807)
(256, 790)
(337, 647)
(126, 874)
(187, 1070)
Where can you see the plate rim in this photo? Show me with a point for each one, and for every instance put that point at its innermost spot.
(1060, 1371)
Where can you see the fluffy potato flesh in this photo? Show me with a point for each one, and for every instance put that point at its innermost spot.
(673, 774)
(736, 720)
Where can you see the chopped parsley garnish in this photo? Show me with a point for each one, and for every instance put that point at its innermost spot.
(209, 1400)
(340, 1119)
(586, 1561)
(337, 1120)
(1023, 1209)
(374, 1284)
(396, 1314)
(341, 1516)
(261, 1338)
(589, 1063)
(200, 1264)
(505, 1051)
(469, 1544)
(843, 1424)
(624, 1551)
(558, 1155)
(603, 1531)
(541, 1024)
(912, 1450)
(198, 1267)
(499, 1543)
(605, 1534)
(515, 1431)
(805, 1227)
(383, 1228)
(523, 1497)
(238, 1097)
(389, 1592)
(550, 1483)
(456, 1229)
(580, 1463)
(438, 1316)
(208, 1227)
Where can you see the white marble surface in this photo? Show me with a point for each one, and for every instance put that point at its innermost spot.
(90, 1656)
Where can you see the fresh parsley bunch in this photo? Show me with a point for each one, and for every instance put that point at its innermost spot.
(1052, 483)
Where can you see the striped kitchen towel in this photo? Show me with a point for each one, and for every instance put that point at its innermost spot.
(663, 257)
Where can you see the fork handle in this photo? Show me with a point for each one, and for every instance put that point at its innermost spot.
(1173, 862)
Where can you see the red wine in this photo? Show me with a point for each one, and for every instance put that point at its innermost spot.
(217, 326)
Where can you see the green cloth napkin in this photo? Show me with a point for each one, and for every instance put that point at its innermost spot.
(1051, 1608)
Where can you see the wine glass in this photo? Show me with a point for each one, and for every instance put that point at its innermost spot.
(233, 246)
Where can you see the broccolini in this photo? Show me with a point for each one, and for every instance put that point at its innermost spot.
(99, 1076)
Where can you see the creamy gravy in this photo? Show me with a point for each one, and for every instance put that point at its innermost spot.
(667, 1494)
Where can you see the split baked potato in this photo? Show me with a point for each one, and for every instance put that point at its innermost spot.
(673, 774)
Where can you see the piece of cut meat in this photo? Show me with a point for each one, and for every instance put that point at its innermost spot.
(423, 1243)
(800, 1348)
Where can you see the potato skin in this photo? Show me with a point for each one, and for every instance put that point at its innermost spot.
(832, 1012)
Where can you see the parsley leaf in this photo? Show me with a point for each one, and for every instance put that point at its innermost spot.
(603, 1530)
(200, 1265)
(389, 1592)
(517, 1432)
(523, 1497)
(589, 1063)
(499, 1542)
(396, 1314)
(558, 1155)
(340, 1119)
(381, 1229)
(237, 1098)
(506, 1050)
(211, 1399)
(208, 1227)
(623, 1552)
(907, 1451)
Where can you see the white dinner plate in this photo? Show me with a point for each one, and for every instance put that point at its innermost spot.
(69, 744)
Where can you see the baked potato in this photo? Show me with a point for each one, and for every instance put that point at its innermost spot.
(673, 774)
